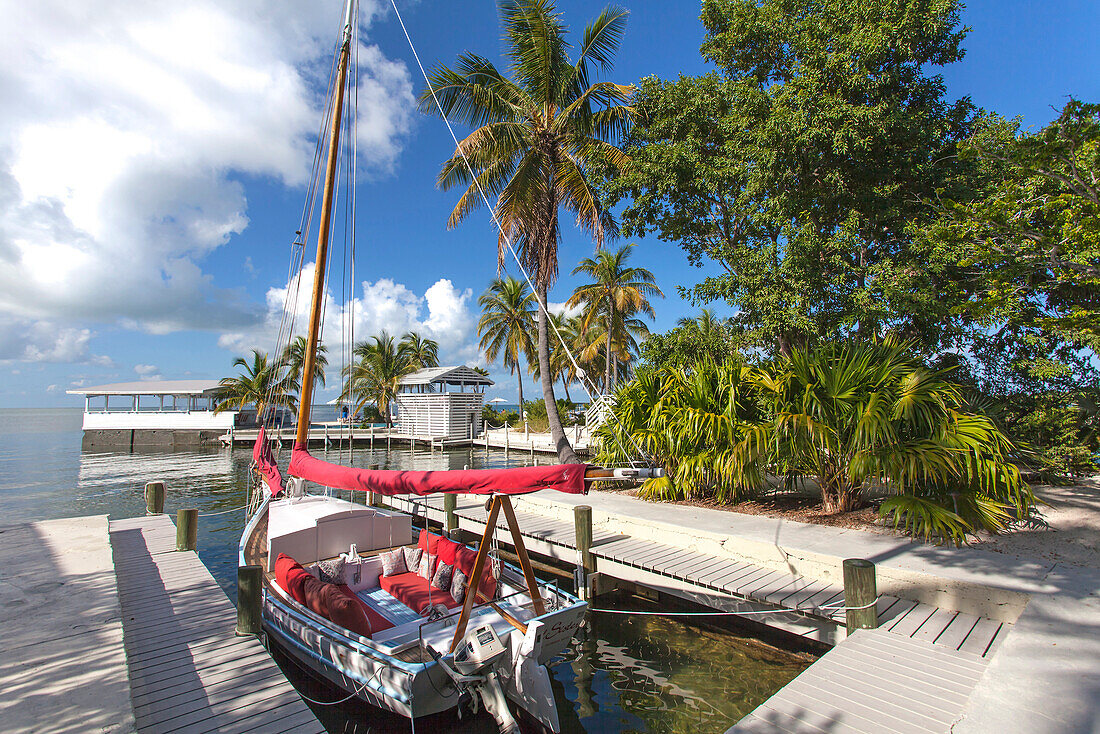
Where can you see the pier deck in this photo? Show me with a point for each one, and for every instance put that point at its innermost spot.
(814, 609)
(874, 682)
(188, 672)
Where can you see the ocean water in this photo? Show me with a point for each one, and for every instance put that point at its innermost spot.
(621, 674)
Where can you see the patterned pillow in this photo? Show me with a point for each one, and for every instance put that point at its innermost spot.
(393, 562)
(427, 566)
(331, 572)
(412, 558)
(441, 579)
(458, 585)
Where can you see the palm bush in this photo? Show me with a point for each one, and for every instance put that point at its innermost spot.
(702, 425)
(375, 376)
(263, 383)
(856, 415)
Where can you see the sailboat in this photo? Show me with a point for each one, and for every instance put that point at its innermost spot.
(416, 625)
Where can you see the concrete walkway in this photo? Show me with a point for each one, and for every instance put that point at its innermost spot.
(1044, 678)
(62, 660)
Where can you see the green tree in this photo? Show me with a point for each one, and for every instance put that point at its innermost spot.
(538, 136)
(418, 351)
(799, 166)
(294, 358)
(705, 338)
(262, 383)
(616, 292)
(505, 326)
(375, 375)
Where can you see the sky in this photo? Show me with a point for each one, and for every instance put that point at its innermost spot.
(154, 159)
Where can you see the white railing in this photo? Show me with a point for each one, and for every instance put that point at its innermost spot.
(598, 411)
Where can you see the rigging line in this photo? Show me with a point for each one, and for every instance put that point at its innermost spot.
(585, 381)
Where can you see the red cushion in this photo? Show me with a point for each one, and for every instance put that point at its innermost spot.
(345, 612)
(447, 550)
(429, 543)
(376, 621)
(315, 598)
(291, 576)
(466, 558)
(412, 591)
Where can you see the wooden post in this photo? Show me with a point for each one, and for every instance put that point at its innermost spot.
(450, 504)
(154, 498)
(506, 438)
(476, 572)
(249, 600)
(582, 519)
(187, 529)
(860, 594)
(372, 497)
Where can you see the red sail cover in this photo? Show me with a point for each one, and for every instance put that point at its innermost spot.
(567, 478)
(265, 464)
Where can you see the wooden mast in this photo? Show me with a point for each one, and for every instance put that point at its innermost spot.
(305, 399)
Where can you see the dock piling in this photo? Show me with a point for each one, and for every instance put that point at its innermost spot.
(860, 594)
(450, 504)
(582, 519)
(249, 600)
(154, 498)
(187, 529)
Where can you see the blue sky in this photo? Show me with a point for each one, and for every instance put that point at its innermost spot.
(151, 171)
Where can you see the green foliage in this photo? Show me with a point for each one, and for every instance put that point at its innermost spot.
(262, 383)
(702, 425)
(693, 341)
(374, 376)
(506, 325)
(801, 164)
(538, 134)
(293, 360)
(615, 293)
(418, 351)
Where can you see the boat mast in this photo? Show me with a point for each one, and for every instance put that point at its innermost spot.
(305, 398)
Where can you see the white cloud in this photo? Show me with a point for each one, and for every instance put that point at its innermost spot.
(147, 371)
(442, 313)
(124, 127)
(561, 308)
(43, 341)
(52, 388)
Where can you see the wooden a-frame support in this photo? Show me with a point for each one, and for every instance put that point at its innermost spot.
(499, 501)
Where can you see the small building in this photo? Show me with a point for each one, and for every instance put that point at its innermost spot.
(441, 402)
(154, 413)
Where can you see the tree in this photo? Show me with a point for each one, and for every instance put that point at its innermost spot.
(800, 164)
(564, 349)
(294, 358)
(538, 136)
(616, 293)
(693, 341)
(418, 351)
(374, 378)
(505, 326)
(262, 383)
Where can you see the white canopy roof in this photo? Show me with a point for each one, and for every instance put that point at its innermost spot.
(452, 375)
(151, 387)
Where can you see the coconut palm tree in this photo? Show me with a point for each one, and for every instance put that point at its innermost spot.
(419, 351)
(625, 333)
(262, 383)
(616, 293)
(293, 359)
(374, 376)
(562, 355)
(505, 326)
(538, 134)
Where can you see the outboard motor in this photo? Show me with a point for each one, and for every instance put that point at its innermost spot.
(475, 661)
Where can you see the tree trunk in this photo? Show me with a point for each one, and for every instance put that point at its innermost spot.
(607, 349)
(565, 382)
(566, 455)
(519, 376)
(841, 497)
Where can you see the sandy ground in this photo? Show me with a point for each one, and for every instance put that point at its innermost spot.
(1073, 536)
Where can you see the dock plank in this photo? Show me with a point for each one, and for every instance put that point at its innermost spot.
(187, 669)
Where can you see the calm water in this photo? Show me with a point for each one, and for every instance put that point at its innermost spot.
(622, 674)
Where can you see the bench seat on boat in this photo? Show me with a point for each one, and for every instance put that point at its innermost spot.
(330, 601)
(411, 590)
(311, 528)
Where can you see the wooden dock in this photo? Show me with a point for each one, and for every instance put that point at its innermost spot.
(875, 682)
(188, 672)
(806, 607)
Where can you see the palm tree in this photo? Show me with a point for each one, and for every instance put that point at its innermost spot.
(262, 384)
(706, 323)
(375, 376)
(293, 359)
(537, 137)
(418, 351)
(562, 355)
(625, 333)
(507, 316)
(616, 293)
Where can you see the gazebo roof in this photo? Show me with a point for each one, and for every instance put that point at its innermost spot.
(441, 375)
(151, 387)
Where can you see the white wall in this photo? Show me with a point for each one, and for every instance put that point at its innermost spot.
(199, 420)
